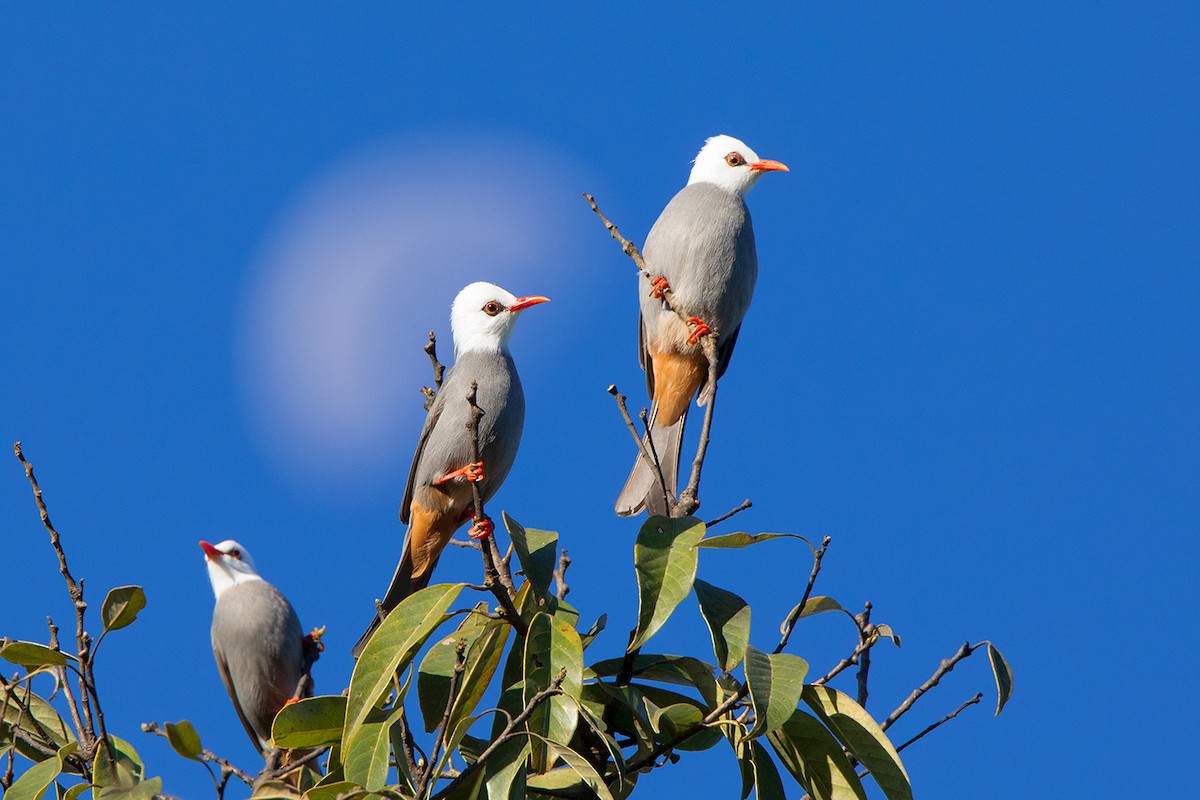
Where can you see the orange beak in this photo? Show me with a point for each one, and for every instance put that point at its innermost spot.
(522, 303)
(209, 550)
(767, 165)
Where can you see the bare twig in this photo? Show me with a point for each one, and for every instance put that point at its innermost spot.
(689, 498)
(846, 663)
(645, 445)
(943, 668)
(943, 720)
(460, 664)
(790, 623)
(469, 544)
(627, 246)
(438, 371)
(864, 662)
(560, 575)
(205, 755)
(495, 569)
(745, 504)
(555, 688)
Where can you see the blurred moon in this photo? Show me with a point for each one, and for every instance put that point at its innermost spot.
(358, 268)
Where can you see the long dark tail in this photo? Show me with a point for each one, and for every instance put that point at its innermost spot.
(642, 489)
(403, 584)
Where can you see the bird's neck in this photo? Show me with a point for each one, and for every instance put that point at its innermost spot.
(223, 580)
(478, 343)
(738, 188)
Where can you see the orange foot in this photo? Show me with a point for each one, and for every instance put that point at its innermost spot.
(291, 700)
(700, 329)
(658, 286)
(472, 472)
(482, 529)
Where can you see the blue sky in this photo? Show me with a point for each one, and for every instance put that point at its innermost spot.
(971, 359)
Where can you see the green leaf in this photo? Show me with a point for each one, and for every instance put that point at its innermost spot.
(812, 607)
(473, 788)
(339, 790)
(505, 770)
(365, 753)
(736, 541)
(538, 553)
(767, 785)
(311, 722)
(1004, 677)
(728, 618)
(679, 670)
(76, 790)
(437, 668)
(31, 654)
(551, 647)
(33, 784)
(483, 657)
(582, 768)
(121, 607)
(776, 682)
(142, 790)
(863, 737)
(665, 558)
(184, 739)
(391, 649)
(885, 632)
(122, 774)
(594, 631)
(815, 759)
(49, 728)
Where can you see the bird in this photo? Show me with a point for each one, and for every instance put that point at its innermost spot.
(260, 648)
(702, 249)
(438, 497)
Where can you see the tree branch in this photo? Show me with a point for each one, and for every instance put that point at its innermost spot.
(789, 624)
(943, 720)
(555, 688)
(560, 575)
(943, 668)
(205, 755)
(460, 664)
(644, 445)
(745, 505)
(438, 370)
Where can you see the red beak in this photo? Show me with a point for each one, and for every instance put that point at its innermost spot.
(525, 302)
(209, 550)
(767, 165)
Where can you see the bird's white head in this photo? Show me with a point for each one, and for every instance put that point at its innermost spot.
(228, 565)
(483, 317)
(730, 164)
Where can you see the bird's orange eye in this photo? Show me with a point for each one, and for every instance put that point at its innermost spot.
(734, 159)
(493, 308)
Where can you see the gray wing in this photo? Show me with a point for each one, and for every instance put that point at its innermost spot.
(431, 421)
(257, 643)
(446, 446)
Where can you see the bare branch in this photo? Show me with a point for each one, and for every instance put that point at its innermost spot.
(555, 688)
(438, 370)
(943, 720)
(790, 623)
(645, 445)
(627, 246)
(689, 498)
(943, 668)
(560, 575)
(460, 664)
(864, 662)
(205, 755)
(745, 504)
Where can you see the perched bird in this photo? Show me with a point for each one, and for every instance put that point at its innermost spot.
(702, 248)
(256, 637)
(438, 498)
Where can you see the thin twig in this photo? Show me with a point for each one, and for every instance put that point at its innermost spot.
(460, 664)
(864, 662)
(645, 445)
(555, 688)
(689, 498)
(744, 505)
(205, 755)
(560, 575)
(943, 720)
(469, 544)
(497, 580)
(790, 623)
(438, 370)
(629, 247)
(943, 668)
